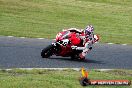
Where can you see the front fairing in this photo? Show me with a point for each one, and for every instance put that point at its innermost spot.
(62, 48)
(62, 35)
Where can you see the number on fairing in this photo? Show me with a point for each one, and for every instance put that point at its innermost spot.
(65, 41)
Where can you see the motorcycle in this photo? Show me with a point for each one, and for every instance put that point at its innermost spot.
(63, 46)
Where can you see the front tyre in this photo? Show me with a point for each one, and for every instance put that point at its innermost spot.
(47, 52)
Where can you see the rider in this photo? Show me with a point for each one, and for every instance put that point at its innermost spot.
(86, 36)
(88, 41)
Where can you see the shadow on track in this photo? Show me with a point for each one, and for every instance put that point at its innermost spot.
(77, 60)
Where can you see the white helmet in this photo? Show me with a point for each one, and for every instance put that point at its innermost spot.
(88, 30)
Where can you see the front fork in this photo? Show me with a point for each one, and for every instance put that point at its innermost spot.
(56, 47)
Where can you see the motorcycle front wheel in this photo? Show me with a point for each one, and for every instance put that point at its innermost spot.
(47, 52)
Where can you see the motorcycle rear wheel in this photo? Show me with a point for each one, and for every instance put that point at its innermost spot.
(74, 57)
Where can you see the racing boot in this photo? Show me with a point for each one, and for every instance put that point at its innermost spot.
(81, 56)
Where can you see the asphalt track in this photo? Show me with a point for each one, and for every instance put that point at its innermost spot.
(25, 53)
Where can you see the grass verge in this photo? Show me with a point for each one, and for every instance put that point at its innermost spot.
(17, 78)
(44, 18)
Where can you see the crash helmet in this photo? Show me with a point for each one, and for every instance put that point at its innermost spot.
(88, 30)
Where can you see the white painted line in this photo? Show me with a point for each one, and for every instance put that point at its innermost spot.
(124, 44)
(22, 37)
(61, 69)
(77, 69)
(104, 69)
(10, 36)
(110, 43)
(40, 38)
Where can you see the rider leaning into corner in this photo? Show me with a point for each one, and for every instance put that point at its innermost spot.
(84, 36)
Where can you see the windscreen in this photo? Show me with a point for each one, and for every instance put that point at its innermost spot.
(65, 35)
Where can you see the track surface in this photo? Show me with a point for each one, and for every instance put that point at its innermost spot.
(25, 53)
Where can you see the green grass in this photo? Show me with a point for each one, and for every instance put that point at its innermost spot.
(57, 79)
(44, 18)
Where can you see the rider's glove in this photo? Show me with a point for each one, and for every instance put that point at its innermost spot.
(73, 47)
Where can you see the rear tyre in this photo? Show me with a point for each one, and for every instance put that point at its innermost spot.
(74, 57)
(75, 54)
(47, 52)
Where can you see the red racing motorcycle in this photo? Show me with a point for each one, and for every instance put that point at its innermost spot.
(62, 46)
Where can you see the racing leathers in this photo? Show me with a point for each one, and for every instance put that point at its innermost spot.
(88, 43)
(78, 36)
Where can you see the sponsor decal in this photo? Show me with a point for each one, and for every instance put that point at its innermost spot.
(85, 81)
